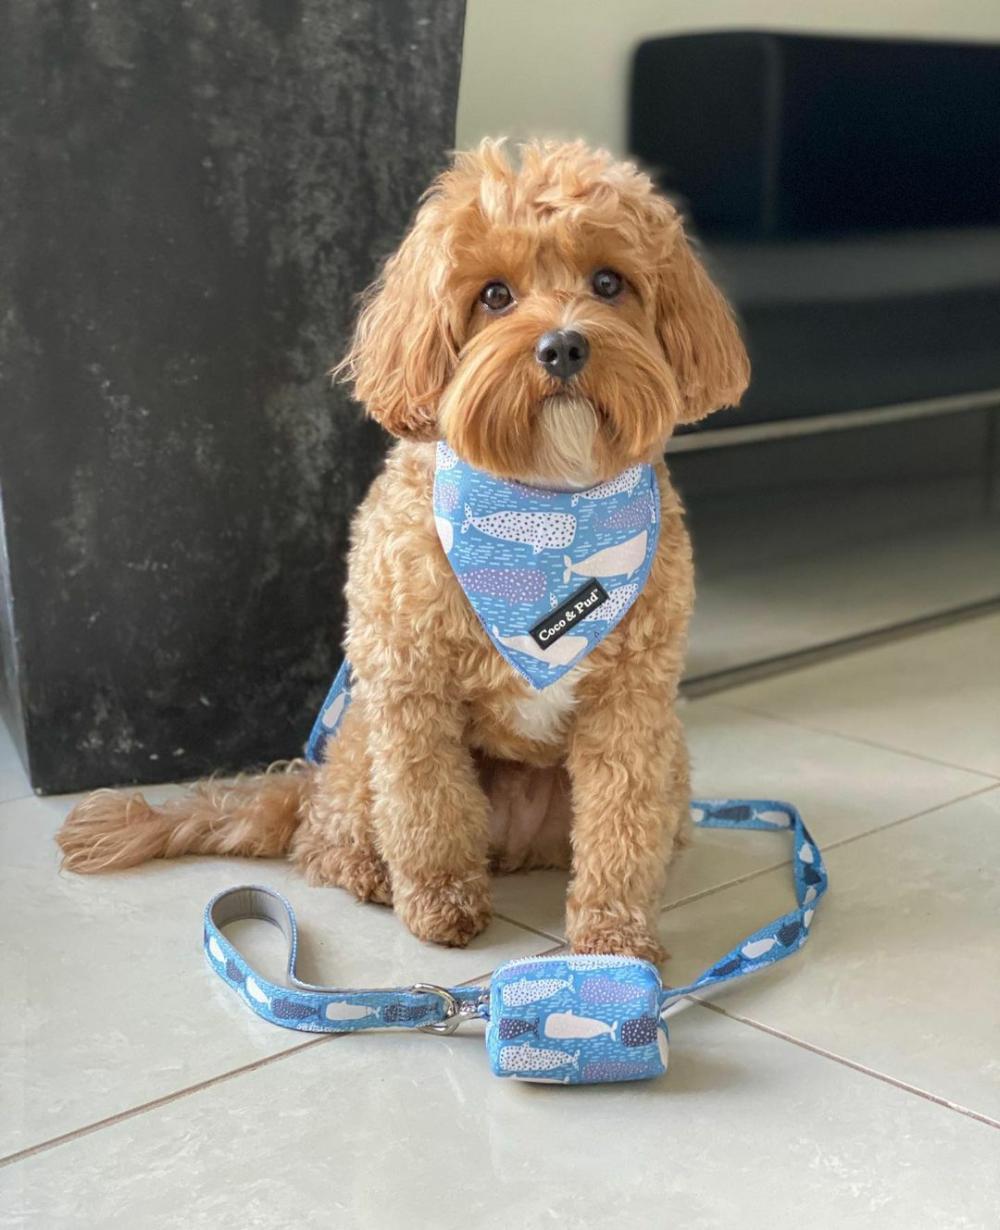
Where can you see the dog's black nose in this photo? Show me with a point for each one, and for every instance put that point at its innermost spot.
(562, 352)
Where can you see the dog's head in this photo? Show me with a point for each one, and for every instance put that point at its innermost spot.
(549, 320)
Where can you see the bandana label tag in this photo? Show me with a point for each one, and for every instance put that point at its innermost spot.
(577, 606)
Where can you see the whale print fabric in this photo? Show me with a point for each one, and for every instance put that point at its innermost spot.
(568, 1020)
(521, 553)
(549, 573)
(577, 1020)
(300, 1005)
(582, 1020)
(787, 934)
(329, 718)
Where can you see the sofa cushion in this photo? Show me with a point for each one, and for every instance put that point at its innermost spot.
(854, 323)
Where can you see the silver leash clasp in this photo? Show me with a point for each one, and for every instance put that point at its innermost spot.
(455, 1012)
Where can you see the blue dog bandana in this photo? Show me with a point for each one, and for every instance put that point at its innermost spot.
(548, 573)
(571, 1020)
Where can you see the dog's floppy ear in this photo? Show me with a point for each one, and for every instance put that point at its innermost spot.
(699, 334)
(403, 351)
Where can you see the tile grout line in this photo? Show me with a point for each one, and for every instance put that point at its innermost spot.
(18, 798)
(560, 942)
(918, 815)
(720, 698)
(761, 871)
(545, 935)
(853, 1064)
(43, 1146)
(155, 1103)
(833, 845)
(720, 681)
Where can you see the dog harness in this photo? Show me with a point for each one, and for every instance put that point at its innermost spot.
(570, 1020)
(549, 575)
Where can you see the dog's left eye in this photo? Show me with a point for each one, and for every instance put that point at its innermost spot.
(496, 296)
(607, 284)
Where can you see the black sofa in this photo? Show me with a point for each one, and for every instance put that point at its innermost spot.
(848, 195)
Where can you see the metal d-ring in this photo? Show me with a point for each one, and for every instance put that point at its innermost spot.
(453, 1009)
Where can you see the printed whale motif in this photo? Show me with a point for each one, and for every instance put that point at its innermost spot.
(343, 1011)
(598, 989)
(515, 1027)
(613, 1070)
(254, 991)
(625, 557)
(512, 549)
(533, 529)
(291, 1009)
(757, 948)
(618, 600)
(531, 990)
(628, 480)
(632, 516)
(445, 496)
(569, 1025)
(527, 1058)
(510, 584)
(560, 654)
(398, 1014)
(640, 1031)
(334, 711)
(446, 533)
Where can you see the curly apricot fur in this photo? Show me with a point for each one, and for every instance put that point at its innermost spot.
(418, 796)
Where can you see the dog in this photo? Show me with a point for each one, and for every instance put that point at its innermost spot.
(448, 764)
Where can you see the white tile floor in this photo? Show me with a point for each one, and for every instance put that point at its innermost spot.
(857, 1085)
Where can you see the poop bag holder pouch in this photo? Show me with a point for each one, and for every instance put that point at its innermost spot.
(570, 1020)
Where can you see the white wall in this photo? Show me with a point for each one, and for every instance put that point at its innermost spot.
(560, 67)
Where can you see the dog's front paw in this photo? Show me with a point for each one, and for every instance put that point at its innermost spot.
(609, 936)
(445, 910)
(358, 868)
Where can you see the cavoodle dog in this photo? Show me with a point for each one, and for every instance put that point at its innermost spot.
(546, 318)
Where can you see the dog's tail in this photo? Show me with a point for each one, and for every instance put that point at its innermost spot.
(253, 815)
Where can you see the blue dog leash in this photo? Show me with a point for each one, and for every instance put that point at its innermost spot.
(564, 1019)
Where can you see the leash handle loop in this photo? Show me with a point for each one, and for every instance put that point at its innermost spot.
(316, 1009)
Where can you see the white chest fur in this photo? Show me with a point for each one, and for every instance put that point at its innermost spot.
(542, 716)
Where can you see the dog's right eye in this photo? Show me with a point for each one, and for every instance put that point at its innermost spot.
(496, 296)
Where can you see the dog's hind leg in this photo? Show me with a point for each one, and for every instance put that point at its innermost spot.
(336, 843)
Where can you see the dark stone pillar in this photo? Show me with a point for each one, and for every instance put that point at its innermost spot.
(192, 194)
